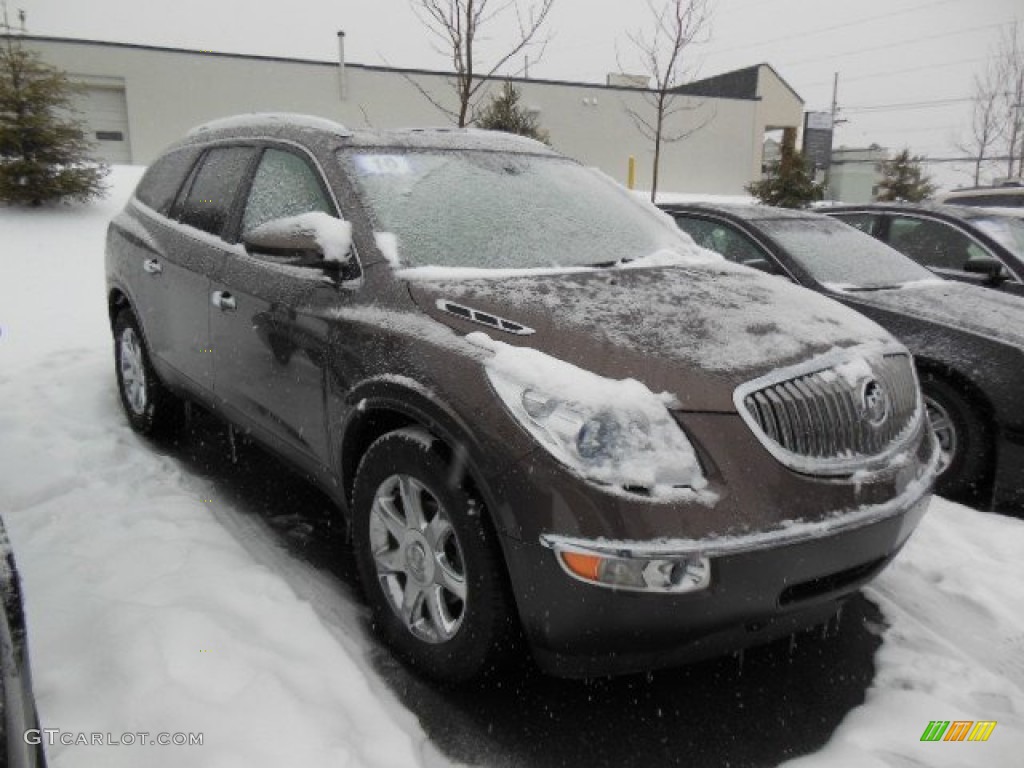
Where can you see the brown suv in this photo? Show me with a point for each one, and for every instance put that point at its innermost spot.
(539, 406)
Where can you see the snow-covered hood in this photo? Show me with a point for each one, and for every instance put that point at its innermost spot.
(696, 332)
(969, 308)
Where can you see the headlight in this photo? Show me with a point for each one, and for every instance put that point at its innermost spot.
(612, 432)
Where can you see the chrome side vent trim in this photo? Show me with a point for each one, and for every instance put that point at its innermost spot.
(836, 416)
(483, 318)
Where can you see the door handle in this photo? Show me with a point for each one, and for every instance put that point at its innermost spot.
(223, 300)
(152, 266)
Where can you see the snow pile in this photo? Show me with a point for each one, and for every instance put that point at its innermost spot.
(954, 651)
(145, 611)
(614, 432)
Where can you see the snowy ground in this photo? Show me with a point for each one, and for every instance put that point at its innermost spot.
(154, 605)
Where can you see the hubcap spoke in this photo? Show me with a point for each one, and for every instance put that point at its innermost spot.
(412, 502)
(389, 561)
(437, 531)
(453, 582)
(412, 604)
(444, 624)
(386, 511)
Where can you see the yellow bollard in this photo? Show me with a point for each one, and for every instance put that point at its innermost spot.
(631, 173)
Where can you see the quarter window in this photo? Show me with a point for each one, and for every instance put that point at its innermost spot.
(284, 185)
(162, 181)
(213, 191)
(865, 222)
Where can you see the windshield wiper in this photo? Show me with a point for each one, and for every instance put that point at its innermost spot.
(868, 288)
(610, 264)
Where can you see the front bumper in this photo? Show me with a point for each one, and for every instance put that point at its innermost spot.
(763, 585)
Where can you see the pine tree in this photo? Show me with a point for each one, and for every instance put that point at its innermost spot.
(44, 154)
(904, 180)
(788, 183)
(504, 113)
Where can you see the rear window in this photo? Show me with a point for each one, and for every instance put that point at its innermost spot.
(160, 184)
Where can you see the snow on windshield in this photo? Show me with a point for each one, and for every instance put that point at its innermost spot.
(497, 210)
(834, 252)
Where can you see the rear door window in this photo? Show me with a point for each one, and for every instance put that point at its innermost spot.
(214, 188)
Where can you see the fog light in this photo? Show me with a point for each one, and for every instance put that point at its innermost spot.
(685, 574)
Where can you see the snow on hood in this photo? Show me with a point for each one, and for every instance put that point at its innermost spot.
(972, 308)
(675, 329)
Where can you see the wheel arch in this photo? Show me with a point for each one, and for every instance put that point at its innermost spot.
(382, 405)
(117, 300)
(975, 394)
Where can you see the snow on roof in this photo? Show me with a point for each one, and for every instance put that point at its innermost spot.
(272, 119)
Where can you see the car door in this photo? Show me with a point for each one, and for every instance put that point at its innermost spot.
(192, 253)
(152, 272)
(269, 320)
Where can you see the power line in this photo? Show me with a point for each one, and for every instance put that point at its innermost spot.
(886, 46)
(904, 105)
(890, 73)
(832, 28)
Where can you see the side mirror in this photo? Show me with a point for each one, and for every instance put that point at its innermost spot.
(991, 268)
(764, 265)
(310, 239)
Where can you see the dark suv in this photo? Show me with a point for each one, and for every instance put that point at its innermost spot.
(541, 409)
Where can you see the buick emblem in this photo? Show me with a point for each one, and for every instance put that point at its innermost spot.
(874, 402)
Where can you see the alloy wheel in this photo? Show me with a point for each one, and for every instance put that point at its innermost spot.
(945, 431)
(418, 559)
(133, 371)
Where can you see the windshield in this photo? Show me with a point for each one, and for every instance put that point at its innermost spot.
(835, 253)
(462, 208)
(1009, 233)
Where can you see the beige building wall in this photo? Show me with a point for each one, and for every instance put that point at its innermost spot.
(170, 91)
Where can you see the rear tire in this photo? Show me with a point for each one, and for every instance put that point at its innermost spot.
(428, 560)
(964, 438)
(151, 408)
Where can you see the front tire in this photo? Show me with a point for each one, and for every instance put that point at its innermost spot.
(428, 560)
(150, 407)
(963, 434)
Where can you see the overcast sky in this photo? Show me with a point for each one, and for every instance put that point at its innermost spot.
(905, 66)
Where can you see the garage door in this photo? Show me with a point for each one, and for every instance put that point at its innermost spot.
(105, 111)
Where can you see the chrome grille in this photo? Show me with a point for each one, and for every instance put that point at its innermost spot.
(823, 419)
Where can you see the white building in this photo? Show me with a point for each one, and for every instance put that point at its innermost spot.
(138, 99)
(855, 174)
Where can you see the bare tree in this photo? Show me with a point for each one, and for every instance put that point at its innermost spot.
(986, 121)
(1009, 59)
(457, 27)
(663, 48)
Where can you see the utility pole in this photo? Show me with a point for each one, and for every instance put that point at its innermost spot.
(835, 121)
